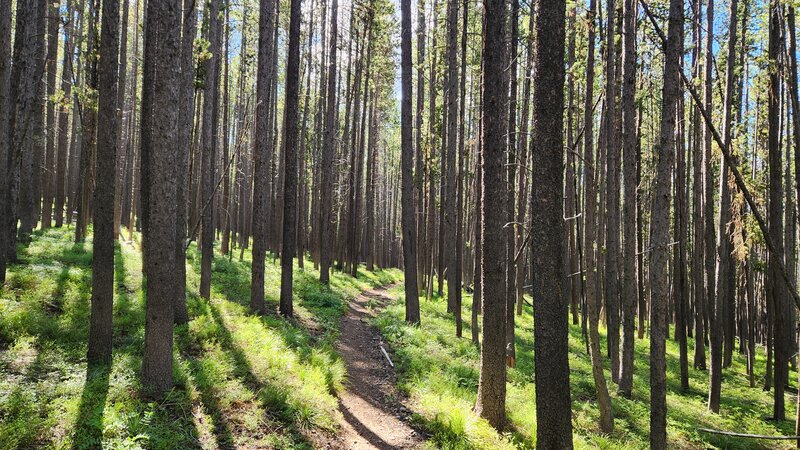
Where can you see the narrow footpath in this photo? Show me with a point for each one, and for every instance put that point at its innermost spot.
(374, 417)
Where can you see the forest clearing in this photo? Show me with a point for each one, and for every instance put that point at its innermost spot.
(397, 224)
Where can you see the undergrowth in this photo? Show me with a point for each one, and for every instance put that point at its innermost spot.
(440, 374)
(240, 380)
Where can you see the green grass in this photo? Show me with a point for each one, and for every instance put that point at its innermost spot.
(241, 380)
(440, 374)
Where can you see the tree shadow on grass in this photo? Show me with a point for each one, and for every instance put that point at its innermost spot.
(88, 426)
(274, 400)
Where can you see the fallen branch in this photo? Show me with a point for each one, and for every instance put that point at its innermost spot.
(726, 153)
(387, 356)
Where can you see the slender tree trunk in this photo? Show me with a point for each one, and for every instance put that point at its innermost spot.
(88, 127)
(292, 104)
(710, 251)
(612, 219)
(5, 131)
(261, 152)
(725, 294)
(660, 225)
(63, 123)
(492, 382)
(629, 149)
(775, 285)
(48, 167)
(326, 207)
(449, 201)
(210, 130)
(590, 230)
(185, 117)
(100, 323)
(407, 155)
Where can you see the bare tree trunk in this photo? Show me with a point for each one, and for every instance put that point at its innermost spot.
(261, 153)
(290, 159)
(725, 295)
(409, 224)
(491, 399)
(185, 119)
(629, 149)
(159, 121)
(590, 239)
(5, 132)
(48, 167)
(100, 323)
(612, 221)
(659, 240)
(88, 127)
(63, 122)
(775, 285)
(551, 318)
(210, 140)
(326, 207)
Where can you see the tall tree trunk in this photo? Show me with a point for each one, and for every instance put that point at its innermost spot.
(88, 127)
(328, 149)
(100, 323)
(63, 122)
(612, 220)
(261, 152)
(159, 121)
(511, 289)
(185, 119)
(419, 172)
(407, 156)
(629, 149)
(659, 240)
(492, 382)
(725, 295)
(551, 318)
(590, 236)
(48, 168)
(292, 104)
(698, 210)
(775, 285)
(449, 200)
(709, 251)
(210, 140)
(5, 131)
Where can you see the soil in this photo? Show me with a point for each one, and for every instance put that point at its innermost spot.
(374, 416)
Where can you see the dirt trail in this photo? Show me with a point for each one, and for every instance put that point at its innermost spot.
(374, 417)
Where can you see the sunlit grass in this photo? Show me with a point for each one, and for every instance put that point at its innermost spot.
(240, 380)
(440, 374)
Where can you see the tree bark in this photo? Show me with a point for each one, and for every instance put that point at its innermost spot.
(629, 149)
(590, 237)
(550, 316)
(261, 152)
(407, 156)
(159, 121)
(491, 400)
(210, 140)
(659, 240)
(328, 149)
(100, 322)
(290, 159)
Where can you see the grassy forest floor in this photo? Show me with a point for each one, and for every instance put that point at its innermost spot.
(440, 374)
(241, 381)
(250, 382)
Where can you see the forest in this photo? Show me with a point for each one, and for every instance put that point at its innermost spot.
(397, 224)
